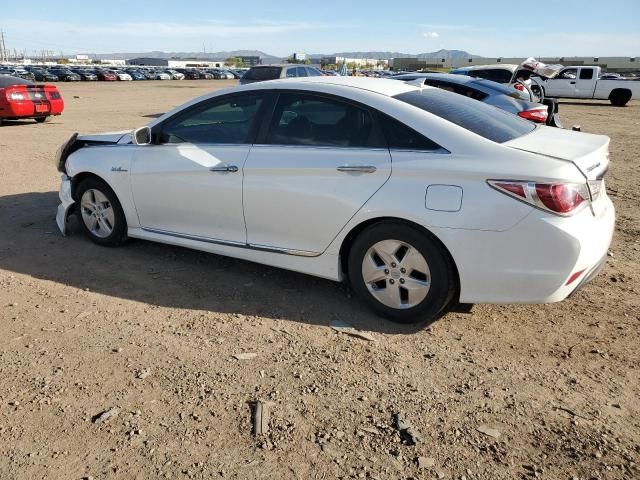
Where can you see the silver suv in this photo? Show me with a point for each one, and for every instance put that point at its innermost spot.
(261, 73)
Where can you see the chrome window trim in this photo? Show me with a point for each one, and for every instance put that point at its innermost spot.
(321, 147)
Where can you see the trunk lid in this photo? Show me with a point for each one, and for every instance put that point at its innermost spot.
(588, 152)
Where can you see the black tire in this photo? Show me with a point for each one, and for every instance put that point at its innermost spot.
(619, 98)
(442, 272)
(118, 235)
(42, 119)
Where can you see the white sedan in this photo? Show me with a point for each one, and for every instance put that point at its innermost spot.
(418, 196)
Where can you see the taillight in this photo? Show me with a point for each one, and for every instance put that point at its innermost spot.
(14, 95)
(519, 86)
(558, 198)
(538, 115)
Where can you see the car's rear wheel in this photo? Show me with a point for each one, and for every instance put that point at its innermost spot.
(401, 272)
(42, 119)
(620, 98)
(100, 213)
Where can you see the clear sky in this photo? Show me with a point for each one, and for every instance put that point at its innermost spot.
(280, 27)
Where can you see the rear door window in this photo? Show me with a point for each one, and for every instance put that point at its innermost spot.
(586, 74)
(314, 120)
(301, 71)
(478, 117)
(263, 73)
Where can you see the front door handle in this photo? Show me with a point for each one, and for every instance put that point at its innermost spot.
(572, 83)
(224, 168)
(357, 168)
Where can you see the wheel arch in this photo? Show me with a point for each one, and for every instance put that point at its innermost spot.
(78, 178)
(619, 90)
(349, 239)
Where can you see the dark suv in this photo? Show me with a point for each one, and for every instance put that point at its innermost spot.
(261, 73)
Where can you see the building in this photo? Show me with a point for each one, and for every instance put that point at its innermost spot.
(366, 63)
(609, 64)
(251, 60)
(149, 62)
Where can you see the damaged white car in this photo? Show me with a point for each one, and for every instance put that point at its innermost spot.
(418, 196)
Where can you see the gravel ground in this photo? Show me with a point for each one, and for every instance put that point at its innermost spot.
(136, 362)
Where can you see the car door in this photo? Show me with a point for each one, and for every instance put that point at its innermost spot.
(563, 85)
(320, 158)
(585, 83)
(190, 182)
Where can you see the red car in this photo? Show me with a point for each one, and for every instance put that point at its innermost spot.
(20, 98)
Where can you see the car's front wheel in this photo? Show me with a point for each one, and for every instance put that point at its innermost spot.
(100, 213)
(402, 273)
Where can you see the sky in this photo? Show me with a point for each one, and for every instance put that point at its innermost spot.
(493, 28)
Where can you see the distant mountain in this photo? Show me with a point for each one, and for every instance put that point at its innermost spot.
(446, 54)
(267, 58)
(196, 55)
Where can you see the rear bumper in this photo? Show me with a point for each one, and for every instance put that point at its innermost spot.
(531, 262)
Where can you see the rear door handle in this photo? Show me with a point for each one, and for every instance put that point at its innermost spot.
(224, 168)
(357, 168)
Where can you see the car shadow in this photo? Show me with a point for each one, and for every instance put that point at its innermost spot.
(587, 104)
(169, 276)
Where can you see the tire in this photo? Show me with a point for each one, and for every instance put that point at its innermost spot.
(538, 91)
(42, 119)
(619, 98)
(100, 213)
(408, 276)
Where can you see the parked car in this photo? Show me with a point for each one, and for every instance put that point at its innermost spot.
(158, 75)
(261, 73)
(136, 75)
(496, 94)
(509, 74)
(16, 72)
(65, 75)
(586, 82)
(122, 76)
(20, 98)
(42, 75)
(189, 73)
(86, 75)
(106, 75)
(174, 74)
(306, 184)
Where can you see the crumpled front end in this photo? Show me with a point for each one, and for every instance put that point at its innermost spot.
(66, 205)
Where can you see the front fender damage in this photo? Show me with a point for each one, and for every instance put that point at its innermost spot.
(67, 203)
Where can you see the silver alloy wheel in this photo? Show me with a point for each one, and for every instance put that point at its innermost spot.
(97, 213)
(396, 274)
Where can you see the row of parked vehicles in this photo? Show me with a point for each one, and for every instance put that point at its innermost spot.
(62, 73)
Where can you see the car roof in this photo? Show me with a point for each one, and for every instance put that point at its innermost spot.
(382, 86)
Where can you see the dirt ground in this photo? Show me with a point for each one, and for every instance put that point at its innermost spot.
(503, 392)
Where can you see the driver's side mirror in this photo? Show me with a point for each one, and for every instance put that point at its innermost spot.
(141, 136)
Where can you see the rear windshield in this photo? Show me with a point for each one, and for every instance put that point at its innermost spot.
(495, 86)
(489, 122)
(5, 81)
(263, 73)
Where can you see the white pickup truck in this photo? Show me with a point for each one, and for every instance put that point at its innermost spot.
(585, 82)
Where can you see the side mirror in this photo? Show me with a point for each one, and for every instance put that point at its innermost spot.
(141, 136)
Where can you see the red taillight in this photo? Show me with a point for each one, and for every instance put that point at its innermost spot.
(16, 93)
(558, 198)
(519, 86)
(538, 115)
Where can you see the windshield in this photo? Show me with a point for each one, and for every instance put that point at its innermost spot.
(263, 73)
(482, 119)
